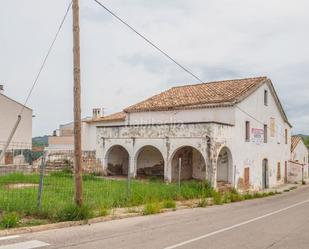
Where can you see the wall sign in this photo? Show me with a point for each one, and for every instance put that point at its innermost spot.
(257, 135)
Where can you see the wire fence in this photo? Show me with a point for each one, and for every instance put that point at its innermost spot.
(45, 188)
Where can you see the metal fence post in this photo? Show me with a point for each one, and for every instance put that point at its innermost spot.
(179, 173)
(129, 184)
(42, 170)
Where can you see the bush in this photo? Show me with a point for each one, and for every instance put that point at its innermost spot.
(257, 195)
(152, 208)
(73, 213)
(10, 220)
(202, 202)
(303, 182)
(104, 211)
(217, 197)
(248, 196)
(169, 204)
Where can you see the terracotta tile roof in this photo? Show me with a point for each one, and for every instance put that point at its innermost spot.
(118, 116)
(294, 142)
(199, 95)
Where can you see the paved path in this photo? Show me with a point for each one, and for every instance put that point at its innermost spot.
(277, 222)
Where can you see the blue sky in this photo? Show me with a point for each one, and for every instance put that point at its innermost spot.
(215, 39)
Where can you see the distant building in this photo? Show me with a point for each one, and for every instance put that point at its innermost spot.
(63, 138)
(22, 140)
(298, 166)
(232, 133)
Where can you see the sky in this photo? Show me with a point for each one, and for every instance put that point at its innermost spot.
(215, 39)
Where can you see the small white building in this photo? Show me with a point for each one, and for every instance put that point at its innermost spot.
(298, 165)
(232, 132)
(63, 138)
(22, 139)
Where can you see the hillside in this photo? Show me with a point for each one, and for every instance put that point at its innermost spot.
(40, 141)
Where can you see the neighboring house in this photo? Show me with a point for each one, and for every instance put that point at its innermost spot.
(232, 132)
(63, 138)
(298, 165)
(22, 139)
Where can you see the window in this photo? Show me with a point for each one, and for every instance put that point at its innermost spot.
(286, 136)
(265, 133)
(265, 97)
(272, 127)
(247, 131)
(278, 171)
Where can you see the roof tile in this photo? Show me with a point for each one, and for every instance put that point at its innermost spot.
(212, 93)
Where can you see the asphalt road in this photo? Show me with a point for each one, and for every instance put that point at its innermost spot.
(280, 221)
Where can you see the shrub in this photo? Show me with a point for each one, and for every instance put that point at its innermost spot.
(152, 208)
(257, 195)
(248, 196)
(226, 197)
(217, 197)
(169, 204)
(10, 220)
(202, 202)
(303, 182)
(73, 212)
(104, 211)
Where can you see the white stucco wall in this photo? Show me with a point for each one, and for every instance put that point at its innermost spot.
(89, 133)
(9, 110)
(220, 114)
(251, 154)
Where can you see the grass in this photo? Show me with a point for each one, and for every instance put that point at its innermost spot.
(152, 208)
(9, 220)
(169, 204)
(101, 197)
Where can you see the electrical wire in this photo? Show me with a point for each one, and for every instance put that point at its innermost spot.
(45, 58)
(149, 42)
(166, 54)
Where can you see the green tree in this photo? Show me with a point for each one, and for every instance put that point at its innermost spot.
(306, 141)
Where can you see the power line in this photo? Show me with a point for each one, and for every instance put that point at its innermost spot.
(35, 82)
(45, 58)
(169, 57)
(148, 41)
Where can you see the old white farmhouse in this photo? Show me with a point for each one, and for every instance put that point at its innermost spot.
(229, 132)
(9, 110)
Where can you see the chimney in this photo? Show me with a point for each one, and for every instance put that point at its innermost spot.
(1, 89)
(97, 113)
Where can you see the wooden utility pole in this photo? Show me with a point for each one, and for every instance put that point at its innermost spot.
(77, 107)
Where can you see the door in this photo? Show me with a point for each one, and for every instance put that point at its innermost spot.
(265, 183)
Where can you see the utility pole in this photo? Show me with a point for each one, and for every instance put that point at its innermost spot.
(77, 107)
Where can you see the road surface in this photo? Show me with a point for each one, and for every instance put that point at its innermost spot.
(276, 222)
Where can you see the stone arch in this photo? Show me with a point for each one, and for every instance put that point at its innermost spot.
(149, 161)
(117, 160)
(193, 164)
(225, 166)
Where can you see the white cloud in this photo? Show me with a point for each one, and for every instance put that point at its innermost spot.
(215, 39)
